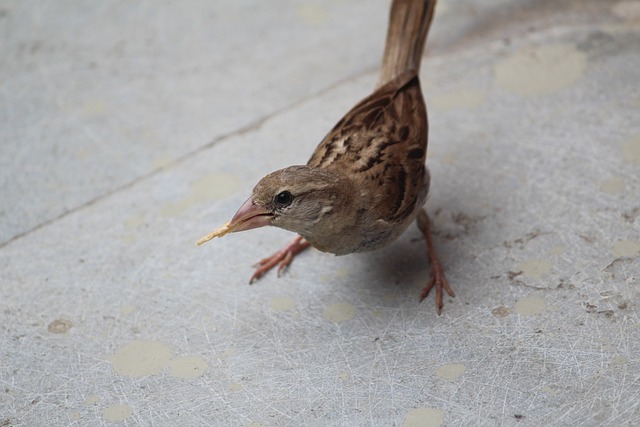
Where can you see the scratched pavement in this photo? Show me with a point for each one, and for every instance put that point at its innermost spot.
(130, 129)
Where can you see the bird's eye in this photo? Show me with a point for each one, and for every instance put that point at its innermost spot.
(283, 199)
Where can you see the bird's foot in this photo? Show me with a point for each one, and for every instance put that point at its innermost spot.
(439, 281)
(437, 278)
(282, 258)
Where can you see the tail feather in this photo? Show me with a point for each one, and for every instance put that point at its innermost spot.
(409, 23)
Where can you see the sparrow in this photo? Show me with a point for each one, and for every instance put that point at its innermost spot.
(366, 181)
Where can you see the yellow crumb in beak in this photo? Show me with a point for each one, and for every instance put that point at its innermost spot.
(215, 233)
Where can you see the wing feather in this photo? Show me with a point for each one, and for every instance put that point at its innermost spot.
(382, 143)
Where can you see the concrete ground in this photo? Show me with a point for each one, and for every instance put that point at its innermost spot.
(130, 129)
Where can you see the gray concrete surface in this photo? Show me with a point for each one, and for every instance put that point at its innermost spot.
(130, 129)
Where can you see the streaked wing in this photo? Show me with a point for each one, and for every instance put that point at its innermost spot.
(383, 139)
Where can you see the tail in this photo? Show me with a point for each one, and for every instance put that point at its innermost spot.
(409, 23)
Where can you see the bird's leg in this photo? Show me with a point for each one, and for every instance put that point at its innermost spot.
(437, 278)
(282, 258)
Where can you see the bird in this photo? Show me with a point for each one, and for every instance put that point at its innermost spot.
(367, 180)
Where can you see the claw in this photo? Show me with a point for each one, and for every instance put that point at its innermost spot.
(282, 258)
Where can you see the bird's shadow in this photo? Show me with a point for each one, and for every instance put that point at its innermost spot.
(401, 268)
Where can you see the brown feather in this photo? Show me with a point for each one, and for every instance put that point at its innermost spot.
(409, 23)
(381, 143)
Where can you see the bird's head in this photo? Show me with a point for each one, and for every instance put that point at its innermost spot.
(315, 203)
(297, 198)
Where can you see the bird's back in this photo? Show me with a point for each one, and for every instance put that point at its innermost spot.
(381, 144)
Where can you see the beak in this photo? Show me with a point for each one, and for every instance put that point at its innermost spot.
(250, 215)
